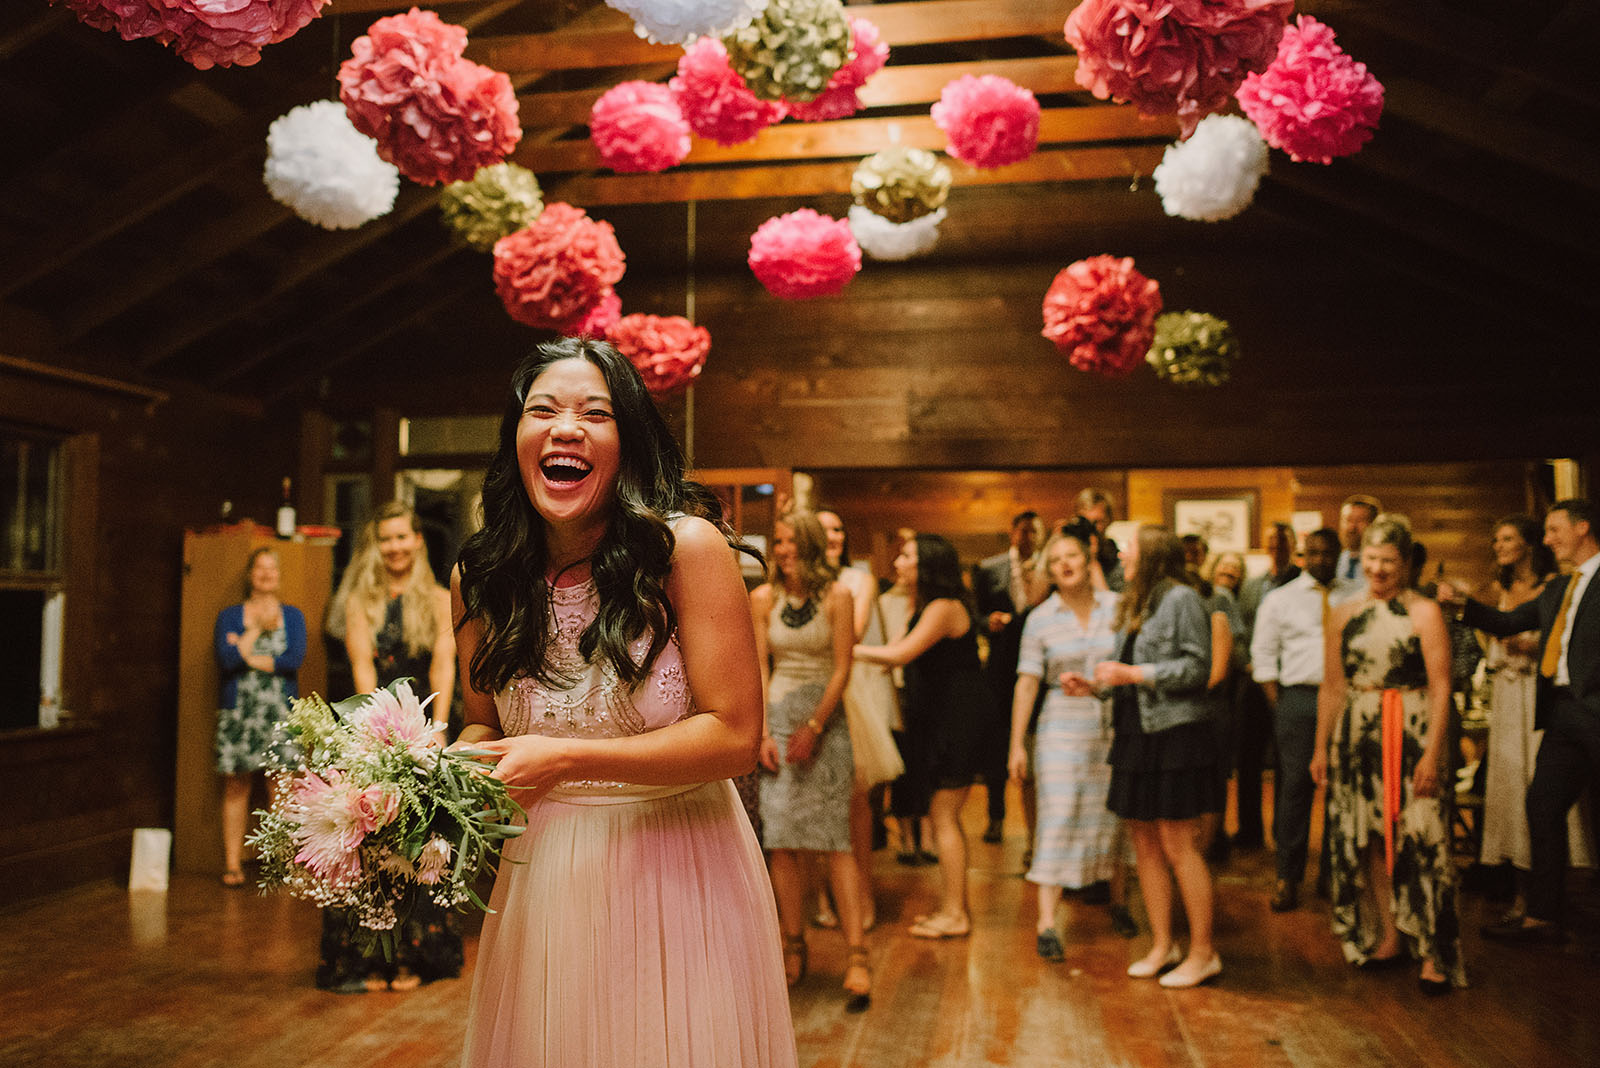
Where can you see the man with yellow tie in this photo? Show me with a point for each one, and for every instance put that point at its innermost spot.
(1286, 659)
(1567, 706)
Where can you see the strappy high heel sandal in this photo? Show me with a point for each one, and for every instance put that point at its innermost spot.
(794, 958)
(857, 980)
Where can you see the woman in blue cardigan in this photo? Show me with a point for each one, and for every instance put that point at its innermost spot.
(1163, 750)
(260, 645)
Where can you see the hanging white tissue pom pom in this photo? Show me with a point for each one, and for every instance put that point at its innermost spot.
(1213, 175)
(325, 170)
(885, 240)
(681, 21)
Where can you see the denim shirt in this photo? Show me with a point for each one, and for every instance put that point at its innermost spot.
(1174, 649)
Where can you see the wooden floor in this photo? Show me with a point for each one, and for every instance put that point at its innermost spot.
(203, 976)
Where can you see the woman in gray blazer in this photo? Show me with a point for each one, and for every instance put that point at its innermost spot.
(1163, 752)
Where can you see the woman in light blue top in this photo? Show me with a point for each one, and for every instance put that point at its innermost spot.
(1076, 838)
(1164, 751)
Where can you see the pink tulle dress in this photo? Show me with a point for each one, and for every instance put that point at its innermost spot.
(633, 926)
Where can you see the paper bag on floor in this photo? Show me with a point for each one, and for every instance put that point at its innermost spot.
(152, 849)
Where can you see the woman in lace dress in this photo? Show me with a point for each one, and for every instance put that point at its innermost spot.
(805, 628)
(611, 675)
(1382, 723)
(1525, 565)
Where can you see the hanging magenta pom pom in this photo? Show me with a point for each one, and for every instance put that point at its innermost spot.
(638, 126)
(1314, 101)
(552, 273)
(1181, 58)
(1101, 314)
(598, 319)
(804, 254)
(989, 121)
(436, 116)
(205, 34)
(715, 99)
(669, 351)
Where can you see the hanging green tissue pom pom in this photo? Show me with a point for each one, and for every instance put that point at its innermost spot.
(901, 184)
(791, 49)
(499, 200)
(1193, 349)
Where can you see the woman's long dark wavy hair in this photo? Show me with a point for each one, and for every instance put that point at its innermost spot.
(503, 565)
(939, 574)
(1541, 559)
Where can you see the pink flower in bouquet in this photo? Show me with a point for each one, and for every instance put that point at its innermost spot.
(397, 719)
(1101, 314)
(1314, 102)
(434, 861)
(715, 99)
(436, 116)
(669, 351)
(868, 54)
(1174, 57)
(374, 807)
(988, 120)
(804, 254)
(553, 272)
(330, 827)
(638, 126)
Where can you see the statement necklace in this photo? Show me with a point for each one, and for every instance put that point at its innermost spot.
(797, 615)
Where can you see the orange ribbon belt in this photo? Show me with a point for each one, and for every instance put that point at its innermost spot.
(1393, 726)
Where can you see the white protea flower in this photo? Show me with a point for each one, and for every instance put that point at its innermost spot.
(1213, 175)
(326, 171)
(885, 240)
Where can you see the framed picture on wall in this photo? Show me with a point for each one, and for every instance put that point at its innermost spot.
(1226, 518)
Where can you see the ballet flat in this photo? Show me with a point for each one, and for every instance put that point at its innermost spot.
(1140, 970)
(1172, 981)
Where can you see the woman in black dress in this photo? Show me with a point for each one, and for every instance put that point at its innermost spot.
(1163, 751)
(397, 626)
(945, 699)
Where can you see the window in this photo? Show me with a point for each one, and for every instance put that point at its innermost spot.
(32, 600)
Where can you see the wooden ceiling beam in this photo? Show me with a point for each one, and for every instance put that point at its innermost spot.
(815, 179)
(891, 87)
(611, 42)
(862, 137)
(38, 25)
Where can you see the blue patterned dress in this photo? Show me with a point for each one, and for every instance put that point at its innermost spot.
(1076, 839)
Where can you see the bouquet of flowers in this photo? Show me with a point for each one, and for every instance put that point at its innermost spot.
(378, 816)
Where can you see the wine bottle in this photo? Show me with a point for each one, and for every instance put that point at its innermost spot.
(286, 514)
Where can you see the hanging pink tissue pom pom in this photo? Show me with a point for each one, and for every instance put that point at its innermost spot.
(669, 351)
(716, 100)
(436, 116)
(554, 272)
(638, 126)
(989, 121)
(804, 254)
(1174, 57)
(1314, 101)
(207, 33)
(1101, 314)
(868, 54)
(598, 319)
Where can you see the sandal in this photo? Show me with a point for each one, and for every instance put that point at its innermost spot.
(233, 878)
(405, 979)
(857, 980)
(794, 959)
(937, 926)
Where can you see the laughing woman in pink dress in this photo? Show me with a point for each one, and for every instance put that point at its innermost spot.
(611, 672)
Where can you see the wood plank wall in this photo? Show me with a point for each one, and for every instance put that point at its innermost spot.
(70, 798)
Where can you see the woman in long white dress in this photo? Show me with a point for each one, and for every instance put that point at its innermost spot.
(610, 671)
(1525, 565)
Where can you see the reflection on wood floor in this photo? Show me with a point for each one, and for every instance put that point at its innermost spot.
(203, 976)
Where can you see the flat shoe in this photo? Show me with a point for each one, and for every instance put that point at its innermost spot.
(1050, 948)
(1140, 969)
(1176, 980)
(233, 880)
(1434, 988)
(1123, 923)
(939, 927)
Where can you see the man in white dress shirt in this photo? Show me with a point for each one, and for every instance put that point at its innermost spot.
(1286, 652)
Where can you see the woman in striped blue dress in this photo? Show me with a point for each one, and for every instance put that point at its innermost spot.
(1077, 839)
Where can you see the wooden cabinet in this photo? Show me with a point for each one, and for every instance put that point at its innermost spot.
(214, 578)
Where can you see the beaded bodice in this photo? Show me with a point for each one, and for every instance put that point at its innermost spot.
(597, 704)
